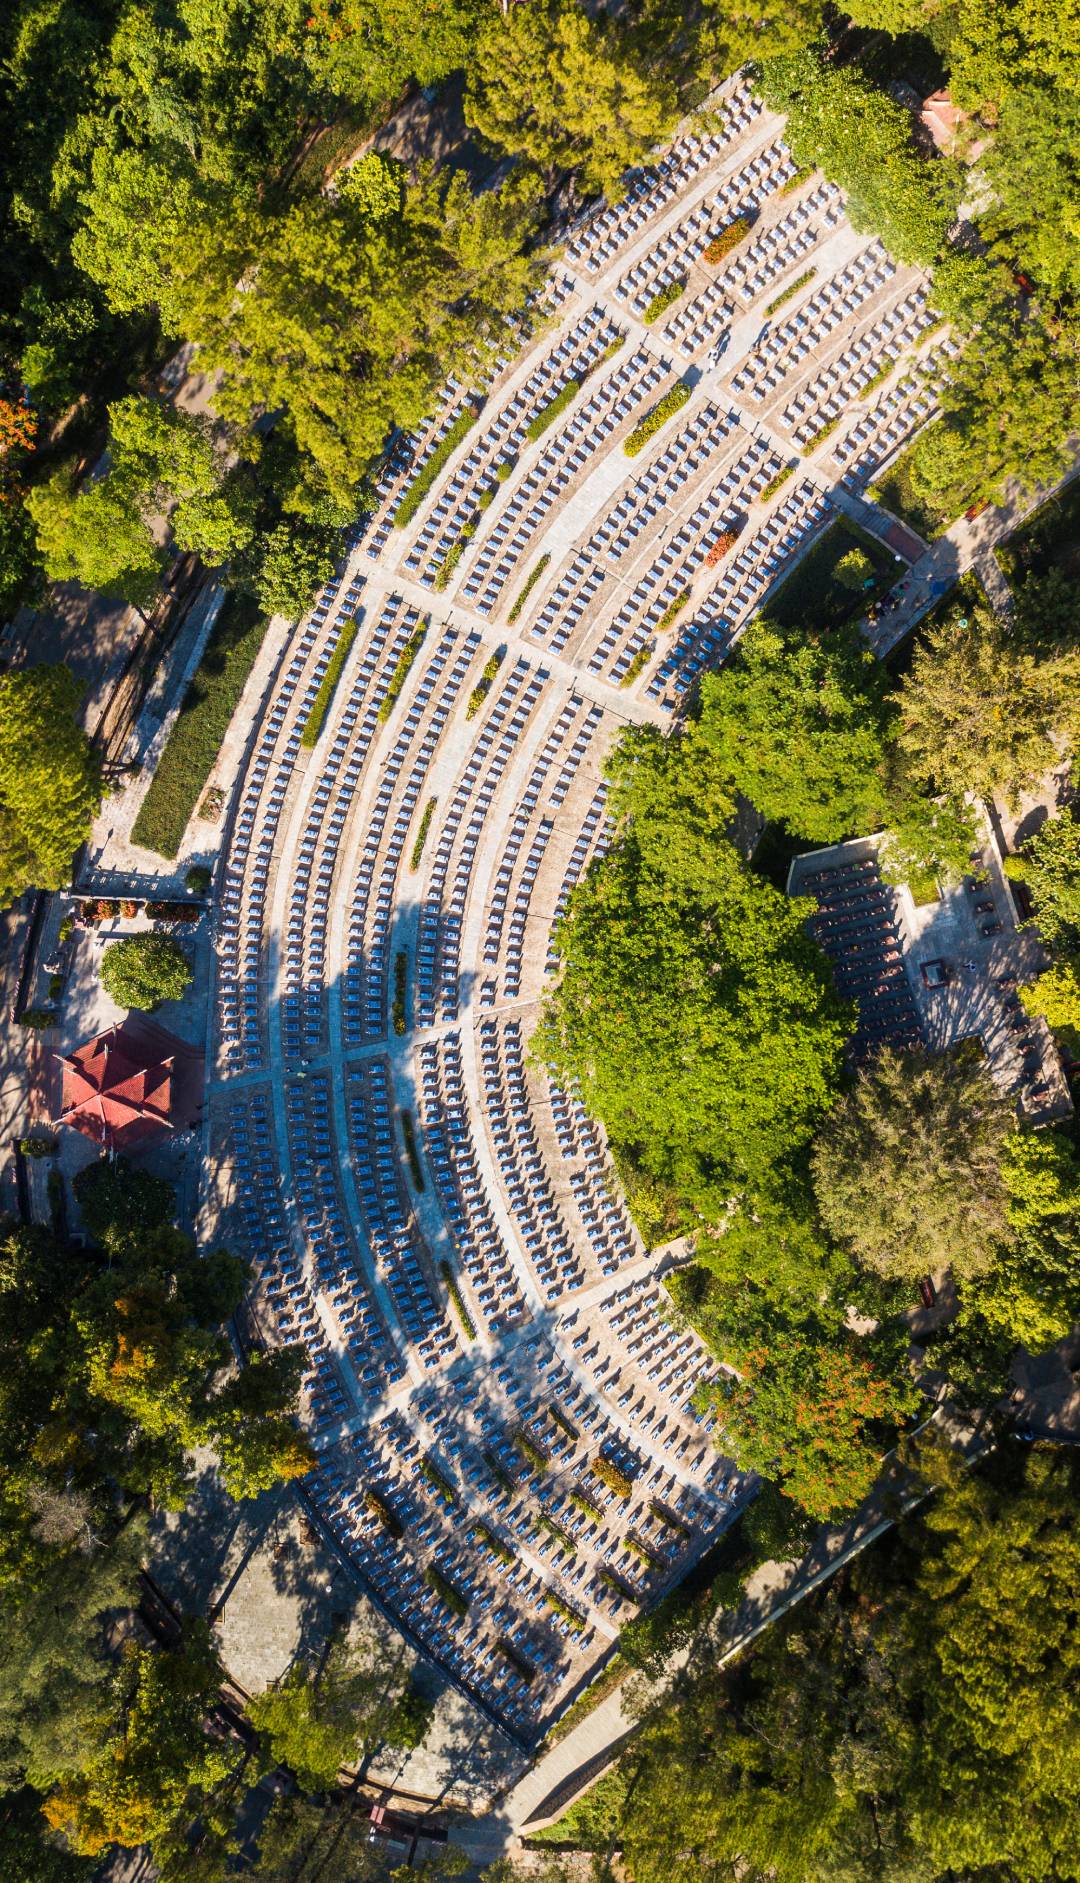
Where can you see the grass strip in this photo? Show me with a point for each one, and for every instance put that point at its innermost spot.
(550, 412)
(483, 685)
(425, 477)
(527, 586)
(421, 835)
(441, 1485)
(481, 1534)
(788, 293)
(412, 1152)
(457, 1301)
(201, 724)
(672, 611)
(664, 298)
(671, 402)
(321, 704)
(445, 1590)
(401, 672)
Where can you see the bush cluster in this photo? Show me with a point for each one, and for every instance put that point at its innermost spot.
(664, 298)
(320, 705)
(527, 586)
(425, 477)
(727, 239)
(671, 402)
(611, 1475)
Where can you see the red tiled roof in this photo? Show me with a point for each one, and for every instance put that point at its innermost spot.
(115, 1093)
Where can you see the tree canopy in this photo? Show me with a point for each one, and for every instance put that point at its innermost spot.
(144, 970)
(50, 779)
(908, 1165)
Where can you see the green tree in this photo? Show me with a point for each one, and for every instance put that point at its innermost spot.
(799, 723)
(1050, 866)
(316, 1720)
(50, 779)
(908, 1166)
(1055, 995)
(567, 91)
(979, 713)
(1031, 1295)
(692, 1007)
(96, 536)
(158, 1762)
(120, 1204)
(143, 970)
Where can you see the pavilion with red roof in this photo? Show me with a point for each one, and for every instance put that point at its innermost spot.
(118, 1088)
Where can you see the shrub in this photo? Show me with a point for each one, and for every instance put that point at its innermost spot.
(727, 239)
(323, 700)
(421, 835)
(401, 671)
(586, 1506)
(455, 1601)
(550, 412)
(488, 1540)
(37, 1144)
(796, 182)
(792, 289)
(503, 470)
(671, 402)
(172, 912)
(408, 1132)
(854, 570)
(425, 477)
(638, 664)
(195, 740)
(641, 1550)
(774, 483)
(198, 879)
(722, 547)
(389, 1518)
(399, 1010)
(444, 574)
(66, 928)
(483, 685)
(143, 970)
(672, 611)
(441, 1485)
(56, 986)
(457, 1301)
(38, 1017)
(128, 908)
(611, 1475)
(618, 1587)
(212, 805)
(664, 298)
(527, 586)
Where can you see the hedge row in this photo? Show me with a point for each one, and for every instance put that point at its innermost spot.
(727, 239)
(723, 545)
(457, 1301)
(664, 298)
(527, 587)
(387, 1517)
(401, 671)
(483, 685)
(408, 1132)
(481, 1534)
(421, 484)
(792, 289)
(638, 664)
(441, 1485)
(446, 1592)
(531, 1452)
(421, 835)
(399, 1011)
(553, 1529)
(499, 1472)
(672, 612)
(550, 412)
(671, 402)
(774, 483)
(563, 1608)
(196, 738)
(316, 719)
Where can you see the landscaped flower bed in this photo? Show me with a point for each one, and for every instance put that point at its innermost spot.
(651, 423)
(727, 239)
(722, 547)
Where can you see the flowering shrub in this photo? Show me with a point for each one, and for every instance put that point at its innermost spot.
(723, 543)
(729, 238)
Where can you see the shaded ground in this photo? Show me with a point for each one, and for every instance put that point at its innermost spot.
(814, 594)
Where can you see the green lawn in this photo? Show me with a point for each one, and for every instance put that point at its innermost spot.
(195, 740)
(1048, 540)
(814, 596)
(893, 489)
